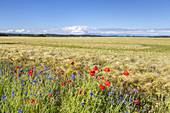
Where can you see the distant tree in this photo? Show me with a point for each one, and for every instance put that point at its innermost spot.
(127, 35)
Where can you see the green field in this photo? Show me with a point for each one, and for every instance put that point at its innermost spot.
(146, 59)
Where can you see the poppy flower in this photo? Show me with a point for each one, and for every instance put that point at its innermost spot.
(17, 67)
(25, 63)
(15, 71)
(99, 78)
(79, 91)
(50, 95)
(107, 83)
(101, 86)
(66, 76)
(102, 78)
(140, 89)
(92, 73)
(11, 59)
(125, 73)
(32, 101)
(18, 75)
(63, 84)
(54, 80)
(27, 100)
(31, 70)
(5, 71)
(107, 70)
(136, 101)
(69, 81)
(95, 68)
(72, 63)
(58, 72)
(61, 72)
(53, 69)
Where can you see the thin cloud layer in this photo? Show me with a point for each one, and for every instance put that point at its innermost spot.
(80, 30)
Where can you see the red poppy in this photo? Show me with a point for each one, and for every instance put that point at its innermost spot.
(27, 100)
(5, 71)
(107, 83)
(32, 101)
(102, 78)
(79, 91)
(72, 63)
(17, 67)
(11, 59)
(25, 63)
(58, 72)
(92, 73)
(18, 75)
(107, 70)
(31, 70)
(50, 95)
(99, 78)
(95, 68)
(140, 89)
(53, 69)
(136, 101)
(69, 81)
(15, 71)
(66, 76)
(63, 84)
(61, 72)
(125, 73)
(30, 73)
(54, 80)
(101, 86)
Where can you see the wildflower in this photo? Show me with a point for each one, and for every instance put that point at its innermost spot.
(102, 78)
(27, 100)
(79, 91)
(50, 95)
(11, 59)
(17, 67)
(166, 97)
(112, 101)
(99, 78)
(107, 83)
(91, 94)
(136, 101)
(24, 98)
(18, 75)
(107, 70)
(118, 101)
(131, 107)
(109, 93)
(136, 90)
(20, 110)
(102, 87)
(125, 73)
(143, 110)
(69, 81)
(92, 73)
(72, 63)
(95, 68)
(31, 70)
(63, 84)
(32, 101)
(56, 97)
(58, 72)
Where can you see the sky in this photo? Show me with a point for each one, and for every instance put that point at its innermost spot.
(105, 17)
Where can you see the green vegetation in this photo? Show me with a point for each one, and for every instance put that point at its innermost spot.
(146, 60)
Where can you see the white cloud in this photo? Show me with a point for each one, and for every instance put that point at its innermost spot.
(78, 30)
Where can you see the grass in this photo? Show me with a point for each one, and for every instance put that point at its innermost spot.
(146, 60)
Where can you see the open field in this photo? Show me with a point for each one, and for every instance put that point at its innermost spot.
(146, 59)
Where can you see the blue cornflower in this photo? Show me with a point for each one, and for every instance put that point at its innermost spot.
(120, 97)
(38, 83)
(2, 99)
(118, 101)
(131, 107)
(56, 97)
(20, 110)
(34, 94)
(34, 67)
(24, 98)
(30, 82)
(130, 101)
(30, 93)
(3, 96)
(34, 81)
(22, 84)
(57, 93)
(111, 87)
(79, 73)
(112, 101)
(20, 66)
(126, 112)
(13, 93)
(26, 93)
(49, 83)
(91, 94)
(110, 93)
(130, 98)
(143, 110)
(73, 77)
(58, 90)
(101, 75)
(136, 90)
(82, 104)
(48, 77)
(125, 101)
(128, 89)
(166, 97)
(40, 80)
(121, 93)
(9, 67)
(127, 94)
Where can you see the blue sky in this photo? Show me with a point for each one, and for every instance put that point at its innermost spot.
(147, 17)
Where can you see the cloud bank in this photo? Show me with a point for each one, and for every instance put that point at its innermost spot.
(80, 30)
